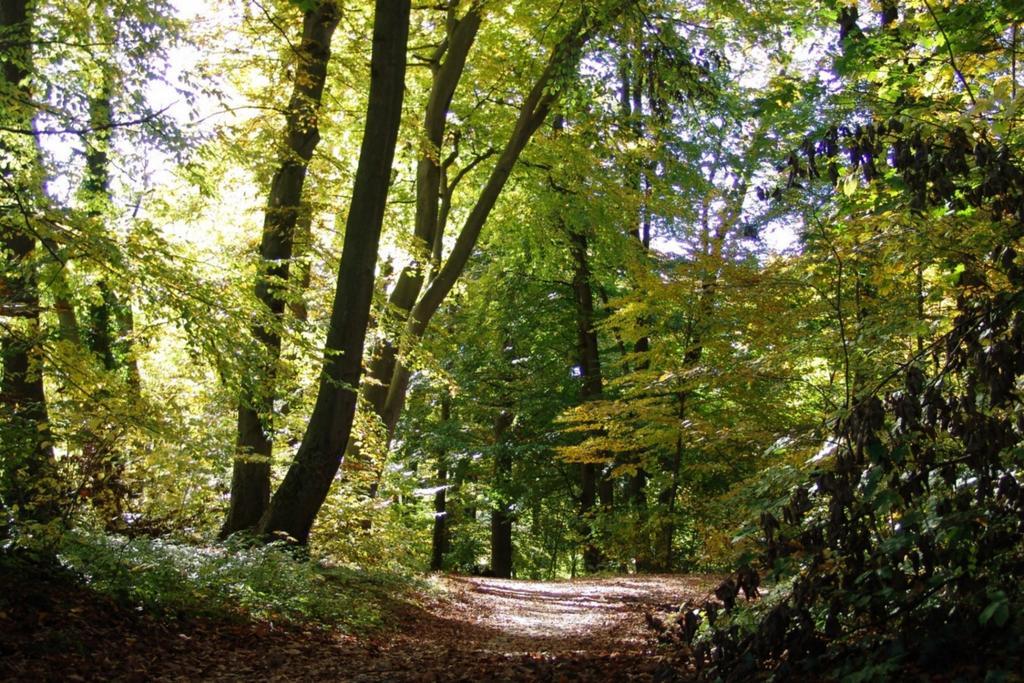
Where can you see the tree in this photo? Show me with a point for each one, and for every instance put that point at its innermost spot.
(294, 506)
(439, 538)
(29, 467)
(415, 309)
(250, 482)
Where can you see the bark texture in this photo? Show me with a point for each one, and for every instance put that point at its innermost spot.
(297, 501)
(631, 108)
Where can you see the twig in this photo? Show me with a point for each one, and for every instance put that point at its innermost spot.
(152, 116)
(949, 48)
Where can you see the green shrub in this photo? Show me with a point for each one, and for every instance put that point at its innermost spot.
(233, 581)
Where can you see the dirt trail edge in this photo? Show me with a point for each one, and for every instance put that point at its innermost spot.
(499, 630)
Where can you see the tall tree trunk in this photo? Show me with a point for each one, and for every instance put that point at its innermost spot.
(672, 465)
(532, 114)
(728, 218)
(106, 317)
(439, 538)
(592, 480)
(110, 330)
(29, 466)
(250, 478)
(588, 498)
(631, 108)
(501, 515)
(428, 220)
(297, 501)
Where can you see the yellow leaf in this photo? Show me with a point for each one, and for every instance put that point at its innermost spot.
(850, 184)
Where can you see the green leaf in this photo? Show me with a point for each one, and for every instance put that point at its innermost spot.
(997, 612)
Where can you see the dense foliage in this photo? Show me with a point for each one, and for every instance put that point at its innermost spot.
(534, 289)
(901, 550)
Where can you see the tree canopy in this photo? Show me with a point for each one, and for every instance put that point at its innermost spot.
(539, 290)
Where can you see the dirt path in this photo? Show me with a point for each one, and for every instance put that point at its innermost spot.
(472, 629)
(495, 630)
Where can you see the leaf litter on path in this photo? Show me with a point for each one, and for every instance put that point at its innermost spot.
(472, 629)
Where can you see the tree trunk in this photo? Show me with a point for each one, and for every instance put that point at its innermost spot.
(532, 114)
(592, 481)
(667, 497)
(605, 490)
(439, 539)
(429, 224)
(301, 270)
(250, 478)
(588, 497)
(29, 466)
(697, 336)
(297, 501)
(110, 329)
(67, 319)
(439, 544)
(631, 108)
(501, 515)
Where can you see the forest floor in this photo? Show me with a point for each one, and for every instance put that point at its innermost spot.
(469, 629)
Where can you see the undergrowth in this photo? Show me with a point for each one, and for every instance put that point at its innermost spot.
(230, 581)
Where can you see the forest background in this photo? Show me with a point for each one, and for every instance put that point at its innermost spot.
(532, 288)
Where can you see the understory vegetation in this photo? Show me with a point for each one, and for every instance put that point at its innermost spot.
(257, 582)
(302, 299)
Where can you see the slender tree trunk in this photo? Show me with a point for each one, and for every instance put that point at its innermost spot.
(250, 478)
(100, 462)
(428, 225)
(605, 490)
(501, 515)
(592, 480)
(387, 396)
(631, 108)
(448, 65)
(439, 538)
(532, 114)
(588, 498)
(387, 393)
(637, 488)
(297, 501)
(439, 545)
(103, 326)
(667, 497)
(697, 337)
(29, 466)
(110, 330)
